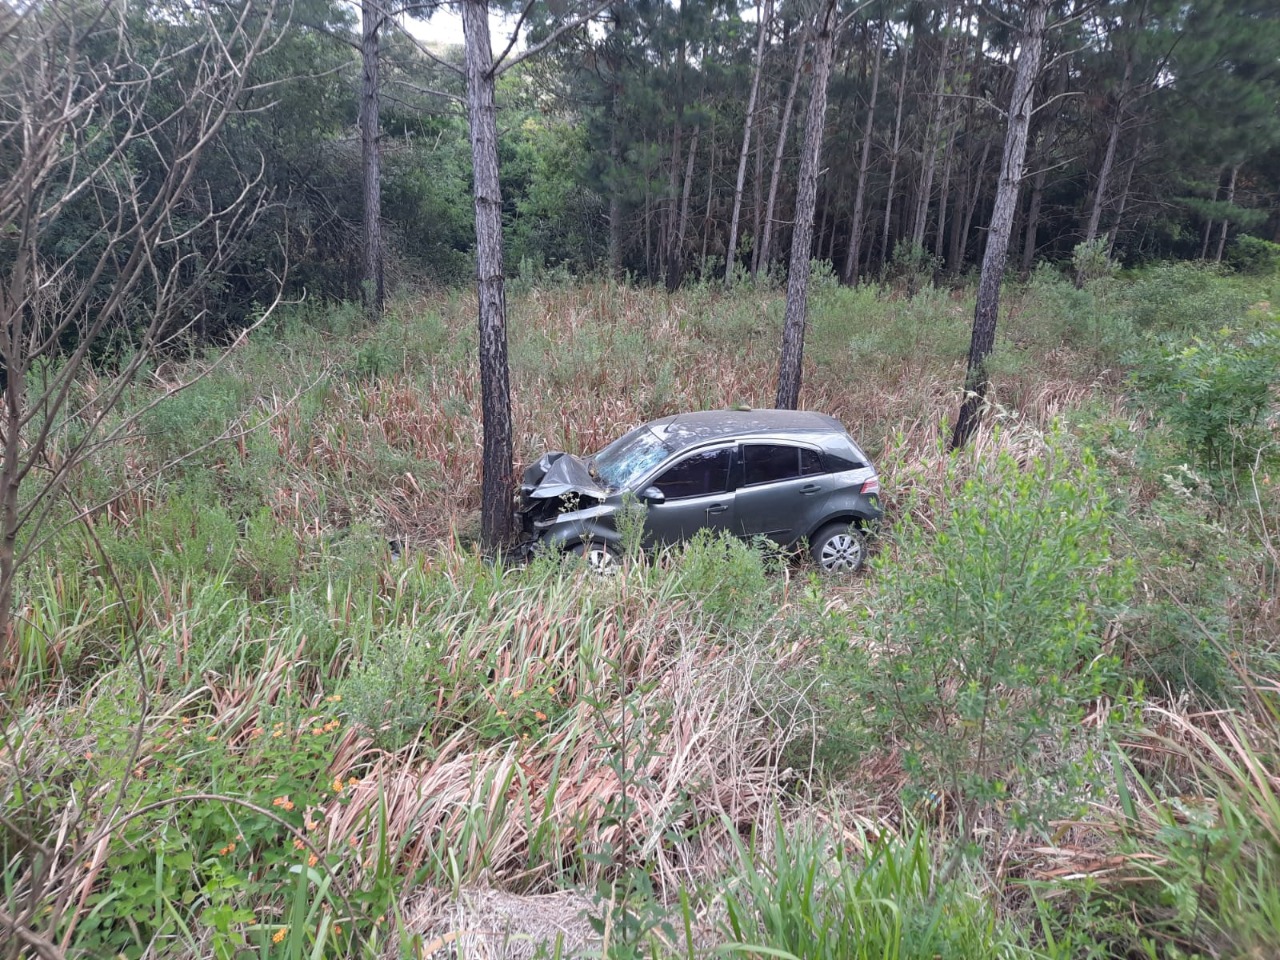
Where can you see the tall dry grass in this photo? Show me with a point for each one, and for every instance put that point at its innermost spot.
(660, 737)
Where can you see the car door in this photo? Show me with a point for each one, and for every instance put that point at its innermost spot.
(783, 491)
(696, 495)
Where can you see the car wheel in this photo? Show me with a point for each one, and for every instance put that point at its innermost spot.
(838, 548)
(598, 557)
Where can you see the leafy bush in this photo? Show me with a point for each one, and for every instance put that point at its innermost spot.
(1056, 312)
(1092, 261)
(1253, 255)
(1184, 297)
(913, 265)
(727, 578)
(1213, 392)
(810, 899)
(197, 868)
(988, 643)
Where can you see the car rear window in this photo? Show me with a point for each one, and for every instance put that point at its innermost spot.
(775, 462)
(769, 463)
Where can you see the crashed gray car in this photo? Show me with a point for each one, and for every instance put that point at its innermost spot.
(786, 475)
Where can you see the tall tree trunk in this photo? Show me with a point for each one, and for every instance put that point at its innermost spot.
(673, 204)
(893, 163)
(495, 388)
(1231, 198)
(673, 183)
(1109, 155)
(975, 195)
(1208, 232)
(731, 252)
(757, 196)
(944, 194)
(853, 257)
(615, 191)
(929, 152)
(987, 309)
(706, 216)
(372, 290)
(791, 358)
(675, 255)
(1047, 138)
(648, 229)
(829, 225)
(784, 126)
(1114, 231)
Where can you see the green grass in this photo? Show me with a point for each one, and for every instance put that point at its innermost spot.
(540, 731)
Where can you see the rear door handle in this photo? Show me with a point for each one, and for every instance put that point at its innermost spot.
(717, 508)
(810, 488)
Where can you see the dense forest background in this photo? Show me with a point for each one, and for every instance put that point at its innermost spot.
(629, 147)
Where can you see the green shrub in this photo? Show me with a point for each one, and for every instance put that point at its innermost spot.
(1213, 393)
(1185, 298)
(726, 577)
(809, 899)
(987, 644)
(913, 265)
(191, 864)
(866, 327)
(1253, 255)
(1092, 261)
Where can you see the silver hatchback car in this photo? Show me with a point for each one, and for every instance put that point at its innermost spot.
(786, 475)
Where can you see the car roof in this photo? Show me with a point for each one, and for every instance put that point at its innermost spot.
(685, 429)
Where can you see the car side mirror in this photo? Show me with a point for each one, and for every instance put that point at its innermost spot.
(652, 495)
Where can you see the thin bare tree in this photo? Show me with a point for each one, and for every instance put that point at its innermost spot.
(373, 290)
(853, 257)
(731, 253)
(764, 253)
(83, 113)
(791, 358)
(986, 313)
(481, 71)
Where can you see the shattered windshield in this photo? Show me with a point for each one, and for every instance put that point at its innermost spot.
(630, 457)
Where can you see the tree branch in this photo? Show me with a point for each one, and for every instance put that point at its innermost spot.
(500, 68)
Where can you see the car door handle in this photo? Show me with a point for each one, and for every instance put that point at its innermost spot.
(716, 508)
(811, 488)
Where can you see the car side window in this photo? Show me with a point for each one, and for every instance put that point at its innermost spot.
(810, 463)
(698, 475)
(769, 463)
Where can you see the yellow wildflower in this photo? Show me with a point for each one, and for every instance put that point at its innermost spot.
(312, 860)
(279, 935)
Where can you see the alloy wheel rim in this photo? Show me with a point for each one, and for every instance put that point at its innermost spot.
(841, 552)
(601, 561)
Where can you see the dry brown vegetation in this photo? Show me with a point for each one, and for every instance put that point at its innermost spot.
(560, 733)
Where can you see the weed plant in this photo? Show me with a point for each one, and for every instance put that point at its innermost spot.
(509, 726)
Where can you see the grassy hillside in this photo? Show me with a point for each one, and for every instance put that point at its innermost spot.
(1043, 723)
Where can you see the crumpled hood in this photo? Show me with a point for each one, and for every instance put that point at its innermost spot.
(557, 474)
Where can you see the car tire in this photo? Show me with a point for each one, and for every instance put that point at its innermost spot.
(838, 548)
(599, 557)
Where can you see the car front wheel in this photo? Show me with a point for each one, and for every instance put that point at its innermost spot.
(838, 548)
(598, 557)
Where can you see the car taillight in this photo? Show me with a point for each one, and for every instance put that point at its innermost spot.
(871, 486)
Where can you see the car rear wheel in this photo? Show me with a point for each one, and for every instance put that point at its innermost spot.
(598, 557)
(838, 548)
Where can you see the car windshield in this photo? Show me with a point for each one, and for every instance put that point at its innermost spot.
(630, 457)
